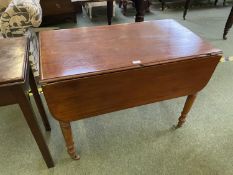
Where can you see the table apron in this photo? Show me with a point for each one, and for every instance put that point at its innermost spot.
(94, 95)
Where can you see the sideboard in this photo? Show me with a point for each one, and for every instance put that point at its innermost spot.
(55, 11)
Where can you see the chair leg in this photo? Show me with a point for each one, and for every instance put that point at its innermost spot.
(140, 10)
(228, 24)
(186, 7)
(114, 9)
(224, 2)
(90, 12)
(215, 2)
(120, 3)
(125, 3)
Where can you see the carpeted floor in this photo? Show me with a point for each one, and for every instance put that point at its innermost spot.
(139, 140)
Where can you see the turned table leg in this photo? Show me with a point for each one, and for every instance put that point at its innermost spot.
(228, 24)
(187, 106)
(109, 11)
(140, 8)
(186, 7)
(67, 133)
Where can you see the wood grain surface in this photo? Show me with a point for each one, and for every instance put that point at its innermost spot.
(12, 60)
(72, 53)
(89, 96)
(91, 71)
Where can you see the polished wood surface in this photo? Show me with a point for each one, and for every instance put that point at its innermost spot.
(99, 94)
(137, 64)
(67, 133)
(187, 107)
(79, 52)
(13, 60)
(15, 79)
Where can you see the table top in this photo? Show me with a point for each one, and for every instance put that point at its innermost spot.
(73, 53)
(13, 61)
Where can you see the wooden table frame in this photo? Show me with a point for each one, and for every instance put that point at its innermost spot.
(87, 79)
(17, 93)
(67, 131)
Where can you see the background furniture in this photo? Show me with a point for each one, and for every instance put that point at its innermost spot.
(14, 85)
(228, 24)
(188, 3)
(124, 3)
(109, 7)
(90, 5)
(155, 63)
(55, 11)
(17, 20)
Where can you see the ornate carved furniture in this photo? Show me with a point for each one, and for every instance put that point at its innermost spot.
(158, 60)
(15, 78)
(228, 24)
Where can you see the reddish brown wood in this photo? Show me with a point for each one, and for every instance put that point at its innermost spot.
(14, 85)
(67, 133)
(99, 94)
(188, 104)
(136, 64)
(165, 41)
(38, 100)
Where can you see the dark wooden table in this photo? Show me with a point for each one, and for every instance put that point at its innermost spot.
(15, 79)
(137, 64)
(228, 24)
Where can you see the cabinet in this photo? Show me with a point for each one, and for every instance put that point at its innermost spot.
(56, 11)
